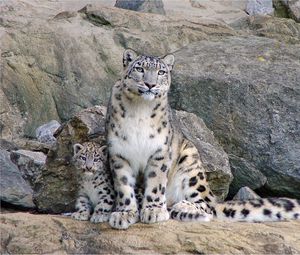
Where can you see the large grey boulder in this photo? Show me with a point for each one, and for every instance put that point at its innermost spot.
(247, 91)
(13, 188)
(151, 6)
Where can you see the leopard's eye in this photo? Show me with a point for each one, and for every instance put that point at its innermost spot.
(83, 157)
(161, 72)
(139, 69)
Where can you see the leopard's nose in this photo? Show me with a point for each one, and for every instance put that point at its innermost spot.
(150, 86)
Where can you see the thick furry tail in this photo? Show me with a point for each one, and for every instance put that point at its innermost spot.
(257, 210)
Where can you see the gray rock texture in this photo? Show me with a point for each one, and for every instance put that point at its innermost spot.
(287, 9)
(247, 92)
(44, 133)
(30, 164)
(151, 6)
(245, 174)
(13, 188)
(259, 7)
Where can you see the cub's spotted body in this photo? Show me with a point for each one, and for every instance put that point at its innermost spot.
(96, 195)
(147, 149)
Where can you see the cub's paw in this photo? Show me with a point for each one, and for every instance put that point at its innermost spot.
(99, 217)
(188, 211)
(154, 214)
(81, 215)
(122, 220)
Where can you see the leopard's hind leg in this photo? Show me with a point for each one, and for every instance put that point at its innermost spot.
(188, 190)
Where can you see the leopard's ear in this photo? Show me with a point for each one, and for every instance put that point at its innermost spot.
(77, 147)
(169, 61)
(128, 56)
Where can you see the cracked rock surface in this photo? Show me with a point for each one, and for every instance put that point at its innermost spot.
(26, 233)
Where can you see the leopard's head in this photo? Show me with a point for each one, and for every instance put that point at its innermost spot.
(89, 157)
(147, 77)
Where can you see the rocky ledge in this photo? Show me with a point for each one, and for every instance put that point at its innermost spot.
(28, 233)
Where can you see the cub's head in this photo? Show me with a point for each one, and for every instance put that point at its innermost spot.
(89, 157)
(147, 76)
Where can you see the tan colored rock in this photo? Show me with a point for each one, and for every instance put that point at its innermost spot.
(27, 233)
(57, 61)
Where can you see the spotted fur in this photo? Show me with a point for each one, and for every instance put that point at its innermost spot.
(148, 150)
(96, 194)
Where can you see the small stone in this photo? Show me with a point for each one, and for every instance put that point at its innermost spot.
(44, 133)
(151, 6)
(245, 193)
(259, 7)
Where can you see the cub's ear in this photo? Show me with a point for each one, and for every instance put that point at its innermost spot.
(77, 147)
(128, 56)
(169, 60)
(104, 151)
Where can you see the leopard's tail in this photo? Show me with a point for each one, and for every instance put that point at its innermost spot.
(257, 210)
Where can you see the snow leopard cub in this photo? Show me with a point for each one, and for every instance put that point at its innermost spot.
(96, 195)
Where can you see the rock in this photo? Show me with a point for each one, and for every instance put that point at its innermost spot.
(287, 9)
(71, 63)
(7, 145)
(215, 160)
(286, 30)
(151, 6)
(44, 133)
(228, 11)
(259, 7)
(55, 189)
(247, 92)
(46, 234)
(294, 9)
(245, 174)
(245, 193)
(30, 164)
(13, 188)
(32, 145)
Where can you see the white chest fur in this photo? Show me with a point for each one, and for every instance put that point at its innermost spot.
(137, 138)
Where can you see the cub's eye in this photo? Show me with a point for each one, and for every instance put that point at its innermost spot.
(83, 157)
(97, 159)
(139, 69)
(161, 72)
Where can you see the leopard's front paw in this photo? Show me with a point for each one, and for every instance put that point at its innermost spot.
(122, 220)
(85, 215)
(154, 214)
(99, 217)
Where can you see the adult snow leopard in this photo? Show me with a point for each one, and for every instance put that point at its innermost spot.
(146, 148)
